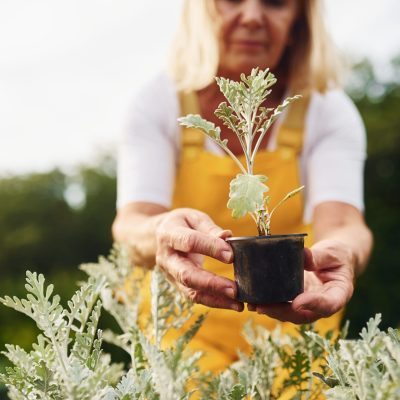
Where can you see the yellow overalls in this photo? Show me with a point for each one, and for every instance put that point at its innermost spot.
(202, 183)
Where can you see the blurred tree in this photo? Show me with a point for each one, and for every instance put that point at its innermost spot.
(33, 212)
(51, 223)
(43, 226)
(378, 290)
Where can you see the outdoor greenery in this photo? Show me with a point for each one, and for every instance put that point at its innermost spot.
(67, 361)
(51, 222)
(378, 290)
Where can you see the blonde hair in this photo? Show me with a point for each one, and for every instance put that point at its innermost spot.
(310, 61)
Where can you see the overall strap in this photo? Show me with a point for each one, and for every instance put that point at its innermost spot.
(192, 140)
(291, 132)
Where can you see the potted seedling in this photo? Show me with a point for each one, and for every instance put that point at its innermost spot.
(268, 268)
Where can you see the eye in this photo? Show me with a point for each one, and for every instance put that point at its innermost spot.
(271, 3)
(275, 3)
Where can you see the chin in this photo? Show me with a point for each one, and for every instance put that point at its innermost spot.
(246, 68)
(245, 64)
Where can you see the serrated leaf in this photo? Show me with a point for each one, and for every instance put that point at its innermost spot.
(246, 194)
(237, 393)
(195, 121)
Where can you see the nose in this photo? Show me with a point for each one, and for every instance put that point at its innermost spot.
(252, 14)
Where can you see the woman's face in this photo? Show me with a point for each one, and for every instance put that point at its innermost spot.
(254, 33)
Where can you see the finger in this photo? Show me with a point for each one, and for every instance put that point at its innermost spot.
(211, 300)
(308, 259)
(310, 306)
(198, 259)
(286, 312)
(202, 222)
(330, 254)
(205, 298)
(332, 264)
(332, 298)
(190, 241)
(226, 233)
(184, 272)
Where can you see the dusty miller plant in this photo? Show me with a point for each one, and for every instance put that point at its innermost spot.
(67, 361)
(157, 372)
(364, 369)
(245, 115)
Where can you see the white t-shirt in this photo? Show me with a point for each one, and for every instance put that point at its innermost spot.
(331, 162)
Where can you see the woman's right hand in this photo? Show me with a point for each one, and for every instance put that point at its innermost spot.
(183, 238)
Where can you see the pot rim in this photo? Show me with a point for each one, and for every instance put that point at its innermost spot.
(289, 235)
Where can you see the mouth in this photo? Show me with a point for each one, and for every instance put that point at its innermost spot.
(249, 44)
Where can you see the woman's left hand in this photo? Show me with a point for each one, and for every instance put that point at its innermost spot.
(328, 285)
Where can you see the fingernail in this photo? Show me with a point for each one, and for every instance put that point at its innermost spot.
(229, 292)
(227, 255)
(225, 234)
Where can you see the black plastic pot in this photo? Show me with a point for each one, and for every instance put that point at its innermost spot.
(268, 269)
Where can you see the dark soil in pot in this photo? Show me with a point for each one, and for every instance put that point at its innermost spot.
(268, 269)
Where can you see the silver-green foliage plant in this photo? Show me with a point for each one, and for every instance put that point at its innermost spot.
(157, 372)
(364, 369)
(245, 115)
(67, 361)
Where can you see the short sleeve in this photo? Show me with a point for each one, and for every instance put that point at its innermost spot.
(334, 152)
(148, 147)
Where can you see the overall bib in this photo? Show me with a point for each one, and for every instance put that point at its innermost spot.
(202, 183)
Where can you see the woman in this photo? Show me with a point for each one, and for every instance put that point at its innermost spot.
(173, 184)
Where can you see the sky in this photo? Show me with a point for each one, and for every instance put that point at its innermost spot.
(68, 70)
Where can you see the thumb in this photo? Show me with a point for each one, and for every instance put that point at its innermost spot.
(224, 234)
(308, 259)
(328, 254)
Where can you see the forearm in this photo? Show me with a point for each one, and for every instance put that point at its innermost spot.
(344, 224)
(136, 227)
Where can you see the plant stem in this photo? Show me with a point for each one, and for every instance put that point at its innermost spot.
(234, 158)
(59, 353)
(249, 141)
(248, 161)
(239, 136)
(356, 375)
(261, 137)
(258, 125)
(48, 331)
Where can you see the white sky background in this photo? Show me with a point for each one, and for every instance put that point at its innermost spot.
(68, 69)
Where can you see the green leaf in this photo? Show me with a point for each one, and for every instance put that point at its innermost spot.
(331, 382)
(195, 121)
(237, 393)
(227, 115)
(246, 194)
